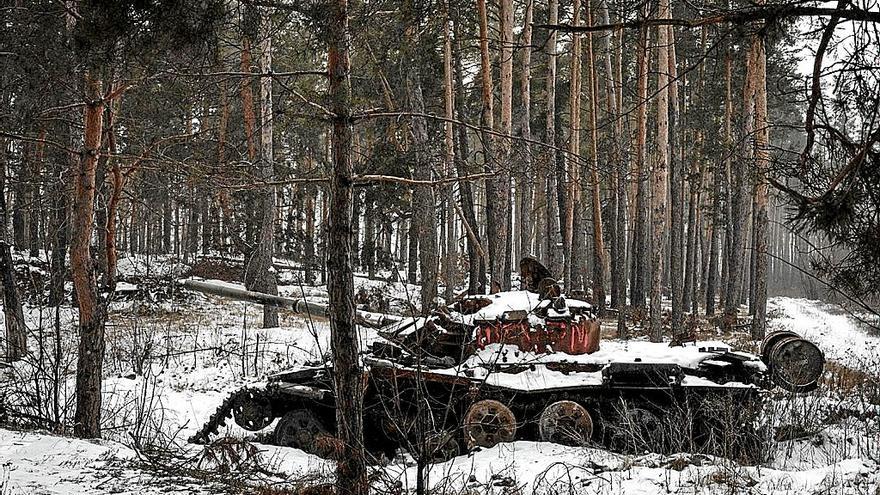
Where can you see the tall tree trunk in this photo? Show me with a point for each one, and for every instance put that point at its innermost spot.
(351, 467)
(424, 210)
(573, 166)
(109, 255)
(762, 161)
(718, 216)
(640, 235)
(501, 196)
(92, 312)
(16, 331)
(476, 256)
(553, 234)
(740, 200)
(497, 193)
(659, 177)
(259, 263)
(449, 163)
(676, 180)
(527, 178)
(599, 261)
(619, 257)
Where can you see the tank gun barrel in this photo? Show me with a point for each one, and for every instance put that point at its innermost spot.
(297, 305)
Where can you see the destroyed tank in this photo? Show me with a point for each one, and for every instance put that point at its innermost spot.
(528, 365)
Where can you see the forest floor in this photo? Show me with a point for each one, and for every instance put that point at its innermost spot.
(172, 358)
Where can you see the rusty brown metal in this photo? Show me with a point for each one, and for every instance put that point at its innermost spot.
(487, 423)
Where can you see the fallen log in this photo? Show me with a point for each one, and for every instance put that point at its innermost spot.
(299, 306)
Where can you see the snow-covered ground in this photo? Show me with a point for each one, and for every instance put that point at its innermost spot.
(170, 364)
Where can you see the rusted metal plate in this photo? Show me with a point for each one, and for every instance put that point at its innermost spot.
(577, 336)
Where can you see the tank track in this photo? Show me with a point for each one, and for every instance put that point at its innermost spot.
(224, 411)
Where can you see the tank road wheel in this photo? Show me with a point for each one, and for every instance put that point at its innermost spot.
(442, 446)
(565, 422)
(253, 412)
(796, 364)
(300, 429)
(487, 423)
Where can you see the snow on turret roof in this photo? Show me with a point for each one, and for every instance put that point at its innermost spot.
(503, 302)
(493, 363)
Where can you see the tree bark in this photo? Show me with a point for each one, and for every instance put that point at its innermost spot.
(526, 179)
(351, 468)
(16, 331)
(599, 260)
(92, 313)
(640, 235)
(424, 209)
(718, 216)
(553, 233)
(476, 257)
(762, 161)
(659, 177)
(259, 264)
(501, 195)
(676, 180)
(497, 192)
(573, 166)
(619, 257)
(740, 200)
(449, 163)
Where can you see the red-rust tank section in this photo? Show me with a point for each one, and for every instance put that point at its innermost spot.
(571, 335)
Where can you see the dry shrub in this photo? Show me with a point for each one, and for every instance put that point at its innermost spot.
(329, 447)
(846, 380)
(229, 454)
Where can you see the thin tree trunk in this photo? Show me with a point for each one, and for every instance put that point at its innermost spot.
(676, 179)
(309, 204)
(762, 161)
(449, 164)
(640, 236)
(553, 234)
(659, 177)
(351, 467)
(718, 216)
(599, 261)
(59, 221)
(246, 93)
(527, 179)
(16, 331)
(424, 216)
(476, 258)
(573, 166)
(619, 257)
(500, 199)
(260, 261)
(740, 200)
(496, 190)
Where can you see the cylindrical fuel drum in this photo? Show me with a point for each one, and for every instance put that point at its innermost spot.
(795, 364)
